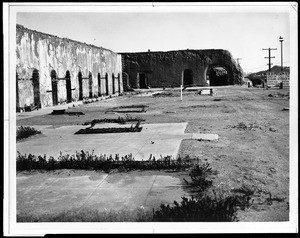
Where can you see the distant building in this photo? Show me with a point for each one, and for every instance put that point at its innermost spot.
(184, 67)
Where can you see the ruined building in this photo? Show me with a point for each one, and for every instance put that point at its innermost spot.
(53, 70)
(184, 67)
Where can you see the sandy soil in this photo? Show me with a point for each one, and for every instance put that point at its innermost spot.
(253, 147)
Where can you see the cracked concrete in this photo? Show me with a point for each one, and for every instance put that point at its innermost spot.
(56, 191)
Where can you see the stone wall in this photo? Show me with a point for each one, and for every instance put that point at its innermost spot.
(47, 54)
(165, 69)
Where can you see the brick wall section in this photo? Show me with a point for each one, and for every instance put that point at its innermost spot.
(44, 52)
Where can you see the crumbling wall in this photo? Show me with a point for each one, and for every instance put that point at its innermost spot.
(36, 50)
(25, 92)
(165, 69)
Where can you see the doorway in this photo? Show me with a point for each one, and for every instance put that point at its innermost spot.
(188, 77)
(36, 88)
(143, 82)
(80, 85)
(113, 84)
(119, 84)
(99, 84)
(54, 88)
(68, 87)
(90, 85)
(106, 84)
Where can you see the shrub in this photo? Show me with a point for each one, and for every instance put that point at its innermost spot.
(199, 175)
(26, 131)
(120, 120)
(205, 209)
(85, 160)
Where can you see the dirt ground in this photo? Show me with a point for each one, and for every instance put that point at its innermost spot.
(253, 147)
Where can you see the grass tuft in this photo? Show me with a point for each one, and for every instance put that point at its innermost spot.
(25, 132)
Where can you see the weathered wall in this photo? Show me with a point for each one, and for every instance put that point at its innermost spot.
(25, 92)
(166, 68)
(36, 50)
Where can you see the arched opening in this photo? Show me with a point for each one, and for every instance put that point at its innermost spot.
(54, 87)
(119, 84)
(90, 85)
(80, 85)
(188, 77)
(113, 84)
(217, 76)
(68, 86)
(36, 88)
(99, 84)
(106, 84)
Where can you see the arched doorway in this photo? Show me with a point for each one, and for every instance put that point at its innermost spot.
(217, 76)
(36, 88)
(54, 87)
(113, 84)
(188, 77)
(90, 85)
(68, 86)
(99, 84)
(119, 84)
(106, 84)
(80, 85)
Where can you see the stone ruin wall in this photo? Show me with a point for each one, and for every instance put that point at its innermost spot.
(165, 69)
(43, 52)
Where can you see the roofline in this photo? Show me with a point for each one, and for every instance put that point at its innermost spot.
(171, 51)
(78, 42)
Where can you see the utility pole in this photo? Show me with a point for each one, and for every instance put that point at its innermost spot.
(281, 40)
(237, 59)
(269, 49)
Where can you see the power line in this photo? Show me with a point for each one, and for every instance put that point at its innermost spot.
(255, 68)
(269, 49)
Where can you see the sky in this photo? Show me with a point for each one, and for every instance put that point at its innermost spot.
(244, 34)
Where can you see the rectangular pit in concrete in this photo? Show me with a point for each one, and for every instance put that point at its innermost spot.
(128, 109)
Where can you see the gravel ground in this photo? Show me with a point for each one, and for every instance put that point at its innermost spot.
(253, 148)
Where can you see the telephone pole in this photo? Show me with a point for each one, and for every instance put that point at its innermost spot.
(269, 49)
(237, 59)
(281, 40)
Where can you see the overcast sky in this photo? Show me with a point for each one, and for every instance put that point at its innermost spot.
(243, 33)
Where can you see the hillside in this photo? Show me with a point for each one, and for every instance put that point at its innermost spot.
(274, 69)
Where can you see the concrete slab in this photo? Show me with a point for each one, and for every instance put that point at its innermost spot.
(97, 190)
(156, 139)
(204, 136)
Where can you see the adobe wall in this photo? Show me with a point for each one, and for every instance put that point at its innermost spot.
(164, 69)
(45, 53)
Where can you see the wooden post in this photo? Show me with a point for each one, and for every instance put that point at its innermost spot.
(181, 92)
